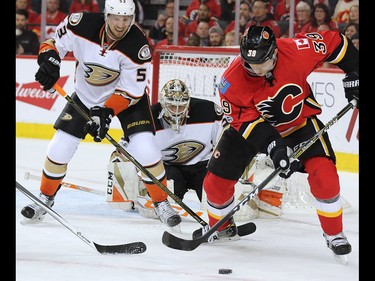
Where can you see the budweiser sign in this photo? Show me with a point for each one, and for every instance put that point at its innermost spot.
(32, 93)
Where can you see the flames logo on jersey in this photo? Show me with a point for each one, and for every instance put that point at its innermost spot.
(182, 152)
(284, 107)
(99, 75)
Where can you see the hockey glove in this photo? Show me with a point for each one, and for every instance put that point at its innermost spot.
(279, 153)
(99, 125)
(351, 86)
(49, 69)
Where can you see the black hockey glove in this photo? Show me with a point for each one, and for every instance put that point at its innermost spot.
(49, 69)
(99, 126)
(351, 86)
(279, 153)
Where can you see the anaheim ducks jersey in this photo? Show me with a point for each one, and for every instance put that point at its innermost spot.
(197, 136)
(101, 68)
(289, 101)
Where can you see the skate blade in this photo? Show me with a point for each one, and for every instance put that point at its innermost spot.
(225, 239)
(342, 259)
(176, 228)
(26, 221)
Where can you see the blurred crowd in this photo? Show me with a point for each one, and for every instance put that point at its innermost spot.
(202, 23)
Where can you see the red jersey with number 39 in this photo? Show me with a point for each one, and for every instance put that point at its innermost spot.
(289, 101)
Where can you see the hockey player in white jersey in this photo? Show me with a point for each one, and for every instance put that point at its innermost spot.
(113, 64)
(187, 130)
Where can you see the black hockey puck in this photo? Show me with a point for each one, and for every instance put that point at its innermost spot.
(225, 271)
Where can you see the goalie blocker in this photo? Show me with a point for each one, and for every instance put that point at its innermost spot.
(126, 191)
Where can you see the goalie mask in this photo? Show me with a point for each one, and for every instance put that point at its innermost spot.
(124, 8)
(257, 49)
(175, 100)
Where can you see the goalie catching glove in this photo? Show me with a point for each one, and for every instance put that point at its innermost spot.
(99, 125)
(49, 69)
(351, 86)
(279, 153)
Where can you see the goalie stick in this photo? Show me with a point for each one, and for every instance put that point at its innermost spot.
(142, 202)
(28, 175)
(61, 91)
(177, 243)
(128, 248)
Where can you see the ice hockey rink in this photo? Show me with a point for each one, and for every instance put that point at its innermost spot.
(289, 248)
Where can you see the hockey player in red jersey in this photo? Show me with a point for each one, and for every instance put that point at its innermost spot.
(113, 61)
(271, 108)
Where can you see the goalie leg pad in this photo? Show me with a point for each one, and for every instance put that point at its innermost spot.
(123, 183)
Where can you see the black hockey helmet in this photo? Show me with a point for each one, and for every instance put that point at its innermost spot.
(257, 44)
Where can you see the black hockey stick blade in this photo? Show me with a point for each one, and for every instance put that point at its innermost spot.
(129, 248)
(178, 243)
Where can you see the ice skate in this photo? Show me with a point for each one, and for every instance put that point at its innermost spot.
(167, 214)
(339, 245)
(227, 234)
(33, 213)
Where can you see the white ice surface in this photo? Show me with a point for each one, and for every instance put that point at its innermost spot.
(290, 248)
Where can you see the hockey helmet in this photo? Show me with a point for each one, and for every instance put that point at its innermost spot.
(121, 8)
(174, 100)
(257, 44)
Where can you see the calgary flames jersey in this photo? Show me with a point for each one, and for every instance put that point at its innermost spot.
(102, 68)
(289, 101)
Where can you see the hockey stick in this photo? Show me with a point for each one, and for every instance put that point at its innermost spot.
(174, 242)
(68, 185)
(128, 248)
(61, 91)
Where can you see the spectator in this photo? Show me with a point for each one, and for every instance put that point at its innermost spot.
(355, 40)
(33, 15)
(282, 9)
(192, 9)
(77, 6)
(64, 6)
(203, 15)
(169, 8)
(27, 42)
(350, 29)
(193, 40)
(169, 33)
(324, 26)
(321, 15)
(202, 31)
(341, 13)
(245, 16)
(169, 12)
(216, 36)
(157, 31)
(354, 14)
(229, 38)
(303, 22)
(54, 17)
(262, 16)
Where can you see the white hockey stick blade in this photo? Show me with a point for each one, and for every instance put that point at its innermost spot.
(128, 248)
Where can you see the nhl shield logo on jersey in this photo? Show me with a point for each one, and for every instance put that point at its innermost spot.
(144, 53)
(75, 18)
